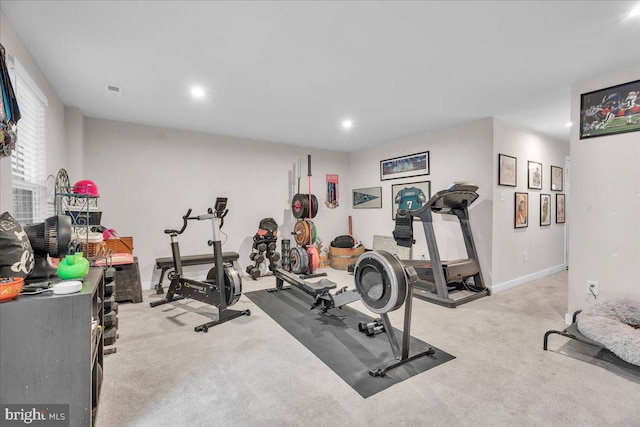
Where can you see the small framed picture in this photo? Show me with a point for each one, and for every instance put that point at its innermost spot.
(545, 209)
(507, 170)
(556, 178)
(521, 219)
(535, 175)
(560, 208)
(367, 198)
(410, 196)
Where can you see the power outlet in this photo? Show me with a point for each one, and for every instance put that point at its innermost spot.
(524, 257)
(592, 287)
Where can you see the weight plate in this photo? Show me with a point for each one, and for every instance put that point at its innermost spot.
(300, 206)
(314, 256)
(314, 234)
(299, 260)
(301, 230)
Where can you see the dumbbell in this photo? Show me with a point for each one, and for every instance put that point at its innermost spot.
(372, 328)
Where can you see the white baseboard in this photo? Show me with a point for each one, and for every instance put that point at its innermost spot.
(526, 279)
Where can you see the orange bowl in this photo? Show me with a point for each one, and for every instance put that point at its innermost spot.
(10, 287)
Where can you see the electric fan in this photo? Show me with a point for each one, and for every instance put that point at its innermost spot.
(51, 237)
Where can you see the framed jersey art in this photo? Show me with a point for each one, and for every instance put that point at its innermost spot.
(410, 196)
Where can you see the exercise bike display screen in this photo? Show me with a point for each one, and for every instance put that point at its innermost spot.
(221, 204)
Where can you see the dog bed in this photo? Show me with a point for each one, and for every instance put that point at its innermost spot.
(610, 324)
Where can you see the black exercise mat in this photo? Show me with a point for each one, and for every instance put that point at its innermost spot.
(334, 338)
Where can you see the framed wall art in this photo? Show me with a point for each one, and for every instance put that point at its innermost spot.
(367, 198)
(411, 196)
(545, 209)
(405, 166)
(560, 208)
(534, 181)
(610, 111)
(556, 178)
(521, 218)
(507, 170)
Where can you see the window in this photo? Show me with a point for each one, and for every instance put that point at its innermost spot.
(28, 160)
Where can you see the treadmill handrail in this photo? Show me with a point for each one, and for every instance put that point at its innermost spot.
(462, 188)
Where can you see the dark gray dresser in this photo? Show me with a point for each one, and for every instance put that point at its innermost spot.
(48, 353)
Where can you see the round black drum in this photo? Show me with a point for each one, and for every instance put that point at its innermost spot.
(232, 283)
(381, 281)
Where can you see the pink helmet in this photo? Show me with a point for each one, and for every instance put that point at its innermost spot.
(86, 187)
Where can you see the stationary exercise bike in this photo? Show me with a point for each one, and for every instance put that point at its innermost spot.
(207, 291)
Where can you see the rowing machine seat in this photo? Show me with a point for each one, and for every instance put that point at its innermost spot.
(319, 287)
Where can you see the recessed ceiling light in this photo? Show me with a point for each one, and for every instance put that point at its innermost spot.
(347, 124)
(635, 11)
(197, 92)
(568, 124)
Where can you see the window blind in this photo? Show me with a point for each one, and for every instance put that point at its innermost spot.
(28, 160)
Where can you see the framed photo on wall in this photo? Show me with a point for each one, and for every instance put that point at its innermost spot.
(367, 198)
(560, 208)
(610, 111)
(535, 175)
(411, 196)
(556, 178)
(545, 209)
(507, 170)
(521, 218)
(405, 166)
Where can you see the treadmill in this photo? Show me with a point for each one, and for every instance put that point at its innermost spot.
(446, 283)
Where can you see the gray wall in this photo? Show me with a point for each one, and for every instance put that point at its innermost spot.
(604, 205)
(54, 113)
(459, 153)
(148, 177)
(544, 245)
(74, 125)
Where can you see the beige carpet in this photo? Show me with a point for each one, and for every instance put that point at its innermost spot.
(250, 372)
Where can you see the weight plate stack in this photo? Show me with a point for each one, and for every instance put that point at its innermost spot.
(299, 260)
(303, 230)
(300, 206)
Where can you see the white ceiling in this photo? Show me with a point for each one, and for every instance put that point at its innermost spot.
(292, 71)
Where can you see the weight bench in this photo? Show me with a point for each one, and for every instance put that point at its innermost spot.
(165, 264)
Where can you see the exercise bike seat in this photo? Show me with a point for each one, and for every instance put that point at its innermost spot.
(170, 231)
(319, 287)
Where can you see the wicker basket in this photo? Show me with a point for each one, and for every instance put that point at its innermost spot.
(118, 245)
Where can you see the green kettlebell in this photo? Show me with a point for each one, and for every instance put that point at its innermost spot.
(73, 267)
